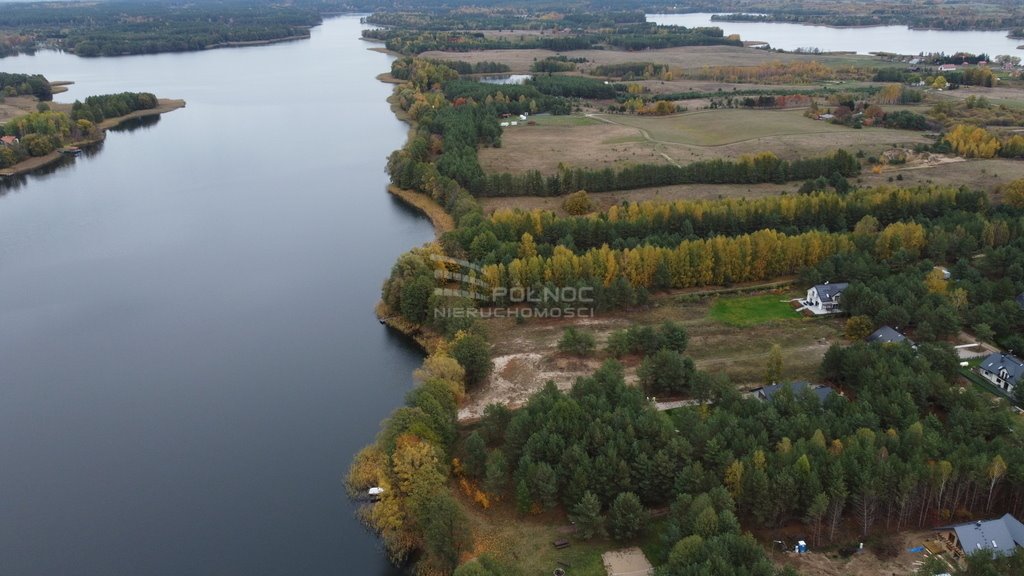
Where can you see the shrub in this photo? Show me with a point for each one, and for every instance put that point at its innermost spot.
(577, 203)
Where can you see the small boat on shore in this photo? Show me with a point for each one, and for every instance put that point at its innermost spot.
(71, 151)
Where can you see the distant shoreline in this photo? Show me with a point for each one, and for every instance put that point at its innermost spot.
(32, 164)
(258, 42)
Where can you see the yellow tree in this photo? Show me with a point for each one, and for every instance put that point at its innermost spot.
(996, 471)
(935, 281)
(734, 479)
(1013, 193)
(527, 247)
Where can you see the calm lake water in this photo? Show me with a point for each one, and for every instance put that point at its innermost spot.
(897, 39)
(188, 353)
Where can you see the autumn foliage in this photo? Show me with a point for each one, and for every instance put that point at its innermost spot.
(778, 73)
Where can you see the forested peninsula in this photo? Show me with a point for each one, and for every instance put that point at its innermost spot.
(35, 131)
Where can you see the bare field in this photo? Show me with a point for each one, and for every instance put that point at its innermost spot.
(864, 563)
(544, 147)
(976, 174)
(530, 354)
(13, 106)
(682, 57)
(1013, 97)
(681, 139)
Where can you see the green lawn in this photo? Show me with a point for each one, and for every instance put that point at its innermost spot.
(571, 120)
(752, 310)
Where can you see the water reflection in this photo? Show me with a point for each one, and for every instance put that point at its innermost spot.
(188, 354)
(506, 79)
(43, 173)
(140, 123)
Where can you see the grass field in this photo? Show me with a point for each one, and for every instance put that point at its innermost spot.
(573, 120)
(619, 140)
(526, 542)
(752, 310)
(718, 127)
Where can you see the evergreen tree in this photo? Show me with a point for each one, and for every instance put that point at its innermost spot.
(626, 516)
(586, 515)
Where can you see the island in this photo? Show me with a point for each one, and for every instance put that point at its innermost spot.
(700, 308)
(36, 132)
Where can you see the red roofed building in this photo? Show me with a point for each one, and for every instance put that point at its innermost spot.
(8, 140)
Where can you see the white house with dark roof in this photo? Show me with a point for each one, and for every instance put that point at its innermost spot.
(824, 298)
(999, 537)
(1003, 370)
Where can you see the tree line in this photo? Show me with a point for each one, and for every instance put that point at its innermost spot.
(851, 13)
(98, 108)
(978, 142)
(764, 167)
(689, 219)
(625, 36)
(25, 84)
(483, 67)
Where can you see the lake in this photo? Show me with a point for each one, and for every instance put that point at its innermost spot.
(188, 353)
(897, 39)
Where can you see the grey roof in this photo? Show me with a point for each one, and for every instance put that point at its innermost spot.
(996, 361)
(887, 335)
(796, 388)
(830, 291)
(1000, 536)
(1020, 299)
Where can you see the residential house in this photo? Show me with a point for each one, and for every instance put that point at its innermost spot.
(947, 68)
(797, 388)
(1003, 370)
(1020, 299)
(825, 298)
(999, 537)
(8, 140)
(888, 335)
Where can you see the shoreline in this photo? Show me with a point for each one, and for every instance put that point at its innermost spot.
(243, 44)
(440, 220)
(30, 165)
(850, 27)
(426, 205)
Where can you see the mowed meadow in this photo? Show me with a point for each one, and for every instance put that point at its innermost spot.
(613, 140)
